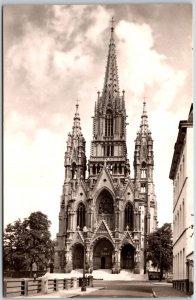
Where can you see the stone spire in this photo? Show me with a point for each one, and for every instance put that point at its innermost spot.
(75, 158)
(144, 122)
(111, 84)
(76, 129)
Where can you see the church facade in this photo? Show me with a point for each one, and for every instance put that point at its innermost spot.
(118, 211)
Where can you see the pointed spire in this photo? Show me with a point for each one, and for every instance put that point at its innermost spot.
(144, 117)
(76, 129)
(111, 84)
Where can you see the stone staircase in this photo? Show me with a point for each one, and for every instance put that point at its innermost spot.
(123, 275)
(102, 274)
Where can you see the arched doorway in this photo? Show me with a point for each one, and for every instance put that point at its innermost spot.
(78, 256)
(102, 254)
(127, 257)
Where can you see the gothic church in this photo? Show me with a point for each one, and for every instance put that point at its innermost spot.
(118, 211)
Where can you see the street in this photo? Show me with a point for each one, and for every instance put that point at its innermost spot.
(121, 289)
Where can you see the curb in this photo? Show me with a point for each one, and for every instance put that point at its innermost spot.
(154, 294)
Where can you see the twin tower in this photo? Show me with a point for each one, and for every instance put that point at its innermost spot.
(117, 211)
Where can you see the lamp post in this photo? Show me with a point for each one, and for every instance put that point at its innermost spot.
(83, 288)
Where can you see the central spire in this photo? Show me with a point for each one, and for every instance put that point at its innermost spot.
(111, 84)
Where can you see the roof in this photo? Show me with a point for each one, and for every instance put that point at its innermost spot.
(183, 125)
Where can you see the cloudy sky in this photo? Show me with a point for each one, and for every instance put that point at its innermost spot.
(54, 55)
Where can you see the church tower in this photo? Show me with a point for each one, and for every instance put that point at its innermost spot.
(75, 168)
(143, 179)
(109, 125)
(117, 211)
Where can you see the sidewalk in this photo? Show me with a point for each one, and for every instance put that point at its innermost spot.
(64, 293)
(166, 290)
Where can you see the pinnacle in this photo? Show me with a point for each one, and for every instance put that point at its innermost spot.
(76, 129)
(144, 122)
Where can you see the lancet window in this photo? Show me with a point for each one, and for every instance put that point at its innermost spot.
(129, 216)
(143, 170)
(81, 222)
(108, 123)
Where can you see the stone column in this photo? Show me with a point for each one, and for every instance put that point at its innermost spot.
(90, 260)
(72, 219)
(139, 216)
(148, 222)
(135, 220)
(137, 262)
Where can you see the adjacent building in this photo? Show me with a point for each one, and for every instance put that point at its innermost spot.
(118, 211)
(181, 173)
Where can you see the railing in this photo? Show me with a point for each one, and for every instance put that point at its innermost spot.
(182, 285)
(21, 287)
(25, 287)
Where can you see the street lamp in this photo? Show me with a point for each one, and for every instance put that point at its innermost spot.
(83, 288)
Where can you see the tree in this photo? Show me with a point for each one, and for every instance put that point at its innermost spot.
(159, 248)
(28, 242)
(13, 241)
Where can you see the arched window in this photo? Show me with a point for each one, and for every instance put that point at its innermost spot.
(143, 170)
(129, 216)
(109, 123)
(81, 216)
(105, 208)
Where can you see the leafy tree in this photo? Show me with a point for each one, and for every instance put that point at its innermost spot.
(159, 248)
(28, 242)
(13, 239)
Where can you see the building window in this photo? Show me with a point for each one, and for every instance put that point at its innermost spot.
(109, 123)
(129, 216)
(143, 170)
(81, 216)
(143, 187)
(112, 150)
(94, 170)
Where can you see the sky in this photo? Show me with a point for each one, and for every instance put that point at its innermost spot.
(56, 54)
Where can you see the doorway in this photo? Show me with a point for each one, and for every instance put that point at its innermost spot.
(102, 254)
(127, 257)
(103, 262)
(78, 256)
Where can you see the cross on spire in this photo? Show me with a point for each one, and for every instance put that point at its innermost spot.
(144, 105)
(112, 23)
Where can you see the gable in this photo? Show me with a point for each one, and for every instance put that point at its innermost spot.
(104, 181)
(102, 230)
(128, 192)
(128, 239)
(77, 239)
(81, 191)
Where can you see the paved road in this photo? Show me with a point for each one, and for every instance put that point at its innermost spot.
(121, 289)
